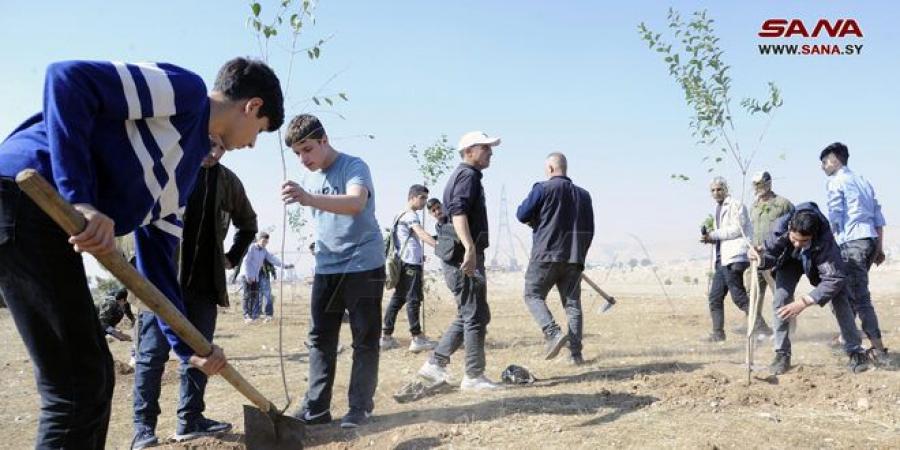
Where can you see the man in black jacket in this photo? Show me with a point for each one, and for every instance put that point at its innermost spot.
(466, 211)
(801, 243)
(218, 199)
(562, 217)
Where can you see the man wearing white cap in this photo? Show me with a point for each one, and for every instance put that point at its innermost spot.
(465, 205)
(767, 208)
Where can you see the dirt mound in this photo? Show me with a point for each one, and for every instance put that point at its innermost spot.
(232, 442)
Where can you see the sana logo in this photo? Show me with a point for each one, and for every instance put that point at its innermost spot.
(784, 28)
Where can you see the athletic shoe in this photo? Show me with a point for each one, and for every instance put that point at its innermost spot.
(143, 437)
(434, 373)
(308, 418)
(388, 342)
(201, 427)
(420, 343)
(555, 343)
(480, 383)
(355, 417)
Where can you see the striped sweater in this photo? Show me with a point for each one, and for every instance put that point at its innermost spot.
(127, 139)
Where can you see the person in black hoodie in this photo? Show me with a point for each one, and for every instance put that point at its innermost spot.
(801, 243)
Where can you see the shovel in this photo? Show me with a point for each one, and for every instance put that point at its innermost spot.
(265, 427)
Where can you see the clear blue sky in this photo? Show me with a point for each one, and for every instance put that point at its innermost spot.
(545, 76)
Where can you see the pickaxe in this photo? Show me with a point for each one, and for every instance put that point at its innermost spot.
(610, 300)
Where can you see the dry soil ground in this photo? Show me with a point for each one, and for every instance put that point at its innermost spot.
(648, 383)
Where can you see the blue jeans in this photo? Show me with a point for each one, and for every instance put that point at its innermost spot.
(265, 294)
(43, 282)
(786, 278)
(858, 256)
(152, 354)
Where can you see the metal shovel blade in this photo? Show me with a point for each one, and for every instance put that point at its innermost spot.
(272, 431)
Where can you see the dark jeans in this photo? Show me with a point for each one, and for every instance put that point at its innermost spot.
(409, 292)
(539, 279)
(472, 317)
(43, 282)
(152, 354)
(727, 280)
(251, 299)
(786, 279)
(360, 294)
(858, 256)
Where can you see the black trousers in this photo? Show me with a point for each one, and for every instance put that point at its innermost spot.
(45, 287)
(359, 294)
(408, 292)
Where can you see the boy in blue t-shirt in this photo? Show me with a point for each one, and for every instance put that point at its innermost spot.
(123, 143)
(349, 270)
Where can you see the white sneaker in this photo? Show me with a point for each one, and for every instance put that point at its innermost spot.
(480, 383)
(267, 319)
(420, 343)
(434, 373)
(388, 342)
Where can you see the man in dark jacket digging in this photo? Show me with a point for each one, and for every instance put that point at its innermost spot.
(217, 199)
(801, 243)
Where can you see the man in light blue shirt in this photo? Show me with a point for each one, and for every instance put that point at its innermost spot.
(858, 226)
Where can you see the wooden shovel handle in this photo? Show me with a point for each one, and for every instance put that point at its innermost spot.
(73, 222)
(609, 299)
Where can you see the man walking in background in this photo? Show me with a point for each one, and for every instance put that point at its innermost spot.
(408, 236)
(253, 271)
(858, 226)
(561, 216)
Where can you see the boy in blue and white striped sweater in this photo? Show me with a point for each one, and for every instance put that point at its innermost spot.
(123, 143)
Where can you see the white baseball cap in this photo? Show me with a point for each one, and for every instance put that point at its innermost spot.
(476, 138)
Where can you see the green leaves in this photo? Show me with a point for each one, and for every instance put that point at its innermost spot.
(434, 160)
(705, 81)
(256, 8)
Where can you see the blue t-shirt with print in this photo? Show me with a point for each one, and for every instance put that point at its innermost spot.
(344, 243)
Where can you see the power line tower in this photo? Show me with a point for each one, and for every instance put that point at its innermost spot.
(504, 253)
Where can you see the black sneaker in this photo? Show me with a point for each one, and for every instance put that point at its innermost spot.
(308, 418)
(715, 336)
(859, 362)
(555, 343)
(201, 427)
(781, 364)
(576, 360)
(143, 437)
(355, 418)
